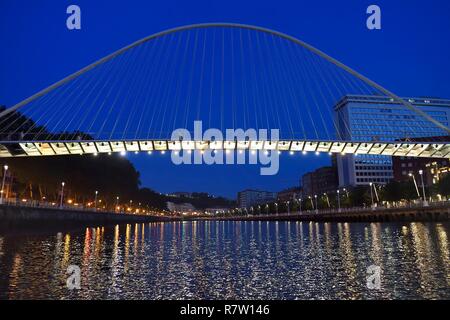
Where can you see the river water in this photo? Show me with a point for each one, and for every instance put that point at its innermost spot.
(230, 260)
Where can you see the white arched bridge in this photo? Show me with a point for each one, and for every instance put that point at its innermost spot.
(226, 75)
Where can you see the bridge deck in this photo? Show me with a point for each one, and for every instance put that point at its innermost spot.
(49, 148)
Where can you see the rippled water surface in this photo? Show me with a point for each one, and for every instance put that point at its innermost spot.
(230, 260)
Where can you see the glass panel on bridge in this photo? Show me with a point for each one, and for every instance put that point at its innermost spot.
(324, 147)
(243, 144)
(132, 145)
(441, 151)
(230, 145)
(30, 149)
(59, 148)
(175, 145)
(256, 145)
(88, 147)
(103, 147)
(404, 149)
(350, 147)
(216, 145)
(4, 151)
(377, 148)
(337, 147)
(417, 150)
(297, 145)
(146, 145)
(160, 145)
(390, 149)
(118, 146)
(310, 146)
(201, 145)
(284, 145)
(364, 148)
(74, 147)
(45, 149)
(188, 145)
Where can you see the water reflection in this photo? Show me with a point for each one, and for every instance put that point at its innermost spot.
(230, 260)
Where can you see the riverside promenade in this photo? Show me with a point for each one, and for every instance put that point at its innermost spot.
(35, 216)
(433, 212)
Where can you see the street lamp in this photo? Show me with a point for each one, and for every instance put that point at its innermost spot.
(338, 200)
(95, 201)
(371, 194)
(287, 204)
(317, 208)
(276, 208)
(415, 184)
(62, 194)
(312, 203)
(117, 203)
(346, 192)
(425, 202)
(328, 200)
(5, 168)
(267, 208)
(376, 192)
(300, 207)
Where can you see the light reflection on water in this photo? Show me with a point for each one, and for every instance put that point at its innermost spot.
(230, 260)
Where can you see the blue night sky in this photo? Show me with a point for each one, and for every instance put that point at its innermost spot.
(409, 56)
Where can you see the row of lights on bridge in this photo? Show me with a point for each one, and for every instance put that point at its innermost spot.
(124, 153)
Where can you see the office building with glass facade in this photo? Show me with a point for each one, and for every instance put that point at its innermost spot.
(377, 118)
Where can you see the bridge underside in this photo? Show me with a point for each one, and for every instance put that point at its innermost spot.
(52, 148)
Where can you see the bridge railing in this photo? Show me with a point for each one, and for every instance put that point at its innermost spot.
(65, 207)
(416, 205)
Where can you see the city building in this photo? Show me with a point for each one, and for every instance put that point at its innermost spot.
(377, 118)
(435, 171)
(432, 168)
(320, 181)
(248, 197)
(180, 194)
(180, 207)
(289, 194)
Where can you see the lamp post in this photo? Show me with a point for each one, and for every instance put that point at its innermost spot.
(287, 205)
(338, 200)
(371, 194)
(328, 200)
(259, 210)
(425, 202)
(317, 208)
(267, 208)
(376, 192)
(276, 208)
(415, 184)
(346, 192)
(5, 169)
(95, 201)
(312, 203)
(117, 204)
(300, 207)
(62, 194)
